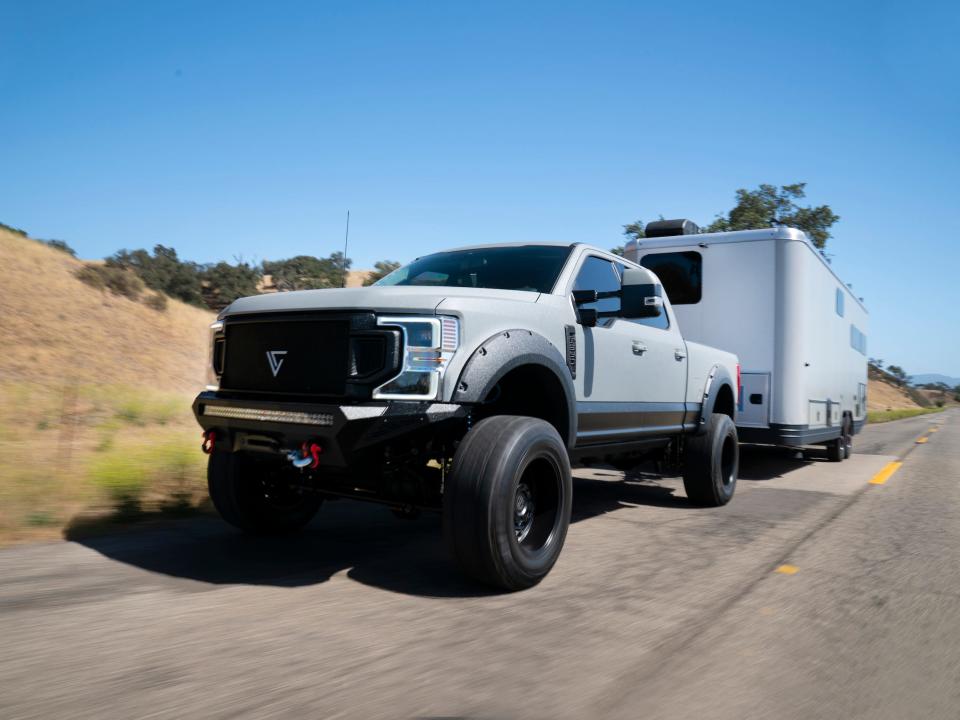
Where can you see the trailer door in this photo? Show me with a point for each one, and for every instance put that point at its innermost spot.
(754, 405)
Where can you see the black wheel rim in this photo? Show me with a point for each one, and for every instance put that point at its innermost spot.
(537, 504)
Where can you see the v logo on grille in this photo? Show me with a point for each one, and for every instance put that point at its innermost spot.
(275, 358)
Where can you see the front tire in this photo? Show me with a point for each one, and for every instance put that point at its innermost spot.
(254, 497)
(506, 504)
(711, 462)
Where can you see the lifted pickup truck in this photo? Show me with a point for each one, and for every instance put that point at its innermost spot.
(468, 382)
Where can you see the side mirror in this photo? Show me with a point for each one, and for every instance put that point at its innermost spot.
(641, 294)
(587, 317)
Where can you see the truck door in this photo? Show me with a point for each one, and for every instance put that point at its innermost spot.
(634, 371)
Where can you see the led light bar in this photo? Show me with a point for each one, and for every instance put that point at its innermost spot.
(278, 416)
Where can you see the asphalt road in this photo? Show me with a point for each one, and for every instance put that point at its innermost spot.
(815, 593)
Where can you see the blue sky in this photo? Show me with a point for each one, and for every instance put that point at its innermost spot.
(248, 129)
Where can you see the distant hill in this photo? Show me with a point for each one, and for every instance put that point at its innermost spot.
(56, 330)
(928, 378)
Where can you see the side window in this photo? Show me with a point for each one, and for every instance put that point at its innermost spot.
(600, 275)
(681, 274)
(839, 302)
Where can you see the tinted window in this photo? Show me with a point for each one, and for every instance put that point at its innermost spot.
(681, 274)
(599, 274)
(517, 267)
(839, 302)
(858, 341)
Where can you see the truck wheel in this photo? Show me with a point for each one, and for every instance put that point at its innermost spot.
(252, 496)
(506, 504)
(711, 462)
(847, 438)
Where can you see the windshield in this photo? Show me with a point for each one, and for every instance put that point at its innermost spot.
(534, 268)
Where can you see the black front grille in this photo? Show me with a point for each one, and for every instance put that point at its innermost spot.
(336, 355)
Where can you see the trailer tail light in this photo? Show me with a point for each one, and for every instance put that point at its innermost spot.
(739, 390)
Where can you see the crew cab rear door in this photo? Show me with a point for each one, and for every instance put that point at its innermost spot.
(634, 371)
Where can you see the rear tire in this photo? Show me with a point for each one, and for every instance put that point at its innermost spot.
(506, 504)
(711, 462)
(848, 438)
(253, 497)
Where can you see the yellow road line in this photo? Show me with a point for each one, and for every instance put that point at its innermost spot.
(933, 429)
(921, 440)
(787, 569)
(889, 469)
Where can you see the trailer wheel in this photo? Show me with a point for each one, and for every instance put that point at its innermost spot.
(711, 462)
(253, 496)
(506, 504)
(841, 448)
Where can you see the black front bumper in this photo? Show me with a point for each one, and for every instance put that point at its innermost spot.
(345, 432)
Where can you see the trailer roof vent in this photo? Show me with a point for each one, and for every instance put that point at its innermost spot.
(665, 228)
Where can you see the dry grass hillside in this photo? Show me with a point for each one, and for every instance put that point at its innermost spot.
(882, 395)
(57, 330)
(95, 393)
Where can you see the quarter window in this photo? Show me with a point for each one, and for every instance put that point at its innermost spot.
(681, 274)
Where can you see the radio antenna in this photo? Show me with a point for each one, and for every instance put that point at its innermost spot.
(346, 242)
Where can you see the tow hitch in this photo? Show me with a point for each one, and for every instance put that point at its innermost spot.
(308, 456)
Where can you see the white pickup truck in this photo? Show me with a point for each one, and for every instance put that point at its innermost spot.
(466, 382)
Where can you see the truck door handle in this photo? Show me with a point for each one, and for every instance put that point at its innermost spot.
(679, 354)
(639, 348)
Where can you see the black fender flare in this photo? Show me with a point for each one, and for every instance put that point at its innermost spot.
(505, 351)
(716, 379)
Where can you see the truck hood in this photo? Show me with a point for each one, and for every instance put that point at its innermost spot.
(413, 299)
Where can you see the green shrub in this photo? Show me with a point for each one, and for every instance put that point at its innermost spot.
(117, 280)
(122, 475)
(156, 302)
(61, 246)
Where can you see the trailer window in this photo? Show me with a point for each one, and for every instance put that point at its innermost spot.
(858, 341)
(681, 274)
(839, 302)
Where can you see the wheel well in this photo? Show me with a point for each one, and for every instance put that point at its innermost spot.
(532, 391)
(724, 403)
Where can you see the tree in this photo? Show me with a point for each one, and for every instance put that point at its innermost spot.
(876, 362)
(305, 272)
(163, 271)
(223, 283)
(382, 268)
(899, 374)
(768, 205)
(631, 231)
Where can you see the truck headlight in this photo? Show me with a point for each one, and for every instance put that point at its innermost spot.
(216, 355)
(428, 346)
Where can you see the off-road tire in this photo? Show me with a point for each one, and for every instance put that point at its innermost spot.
(252, 496)
(711, 462)
(501, 464)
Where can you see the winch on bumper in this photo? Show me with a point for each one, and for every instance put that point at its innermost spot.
(344, 432)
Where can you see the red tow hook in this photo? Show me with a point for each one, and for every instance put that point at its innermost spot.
(312, 450)
(209, 440)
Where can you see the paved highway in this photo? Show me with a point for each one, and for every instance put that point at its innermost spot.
(823, 590)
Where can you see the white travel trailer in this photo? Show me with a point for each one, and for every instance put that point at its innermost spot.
(770, 297)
